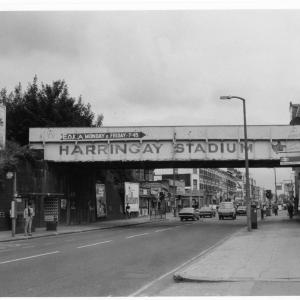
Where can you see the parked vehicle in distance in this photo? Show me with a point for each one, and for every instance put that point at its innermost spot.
(227, 210)
(241, 210)
(189, 213)
(207, 211)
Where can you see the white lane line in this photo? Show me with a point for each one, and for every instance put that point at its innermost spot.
(28, 257)
(132, 236)
(26, 247)
(90, 245)
(160, 230)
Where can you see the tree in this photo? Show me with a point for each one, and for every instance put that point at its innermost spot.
(45, 106)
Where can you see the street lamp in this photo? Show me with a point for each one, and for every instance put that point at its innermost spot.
(246, 158)
(13, 175)
(276, 198)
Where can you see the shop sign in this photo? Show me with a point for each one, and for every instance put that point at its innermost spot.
(49, 218)
(144, 192)
(180, 190)
(155, 190)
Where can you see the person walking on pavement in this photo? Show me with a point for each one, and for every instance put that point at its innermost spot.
(28, 216)
(290, 209)
(127, 210)
(275, 209)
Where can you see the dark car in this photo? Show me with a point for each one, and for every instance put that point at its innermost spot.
(241, 210)
(189, 213)
(207, 211)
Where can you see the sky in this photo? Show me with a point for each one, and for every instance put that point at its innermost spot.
(163, 66)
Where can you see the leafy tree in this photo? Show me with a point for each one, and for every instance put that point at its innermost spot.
(12, 154)
(45, 106)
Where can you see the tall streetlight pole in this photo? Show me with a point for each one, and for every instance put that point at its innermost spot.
(275, 185)
(246, 158)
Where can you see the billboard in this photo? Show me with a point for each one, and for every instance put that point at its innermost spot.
(101, 200)
(2, 126)
(164, 143)
(132, 196)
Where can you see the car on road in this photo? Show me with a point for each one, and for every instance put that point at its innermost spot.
(207, 211)
(189, 213)
(241, 210)
(227, 210)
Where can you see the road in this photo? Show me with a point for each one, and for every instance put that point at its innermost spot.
(116, 262)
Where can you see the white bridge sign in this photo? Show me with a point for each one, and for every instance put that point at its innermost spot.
(154, 143)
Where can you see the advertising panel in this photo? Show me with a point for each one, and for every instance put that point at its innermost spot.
(101, 200)
(164, 143)
(132, 196)
(2, 126)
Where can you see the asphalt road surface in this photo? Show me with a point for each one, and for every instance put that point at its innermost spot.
(124, 261)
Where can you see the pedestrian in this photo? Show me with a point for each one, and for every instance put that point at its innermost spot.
(28, 216)
(90, 212)
(276, 209)
(262, 211)
(127, 208)
(290, 209)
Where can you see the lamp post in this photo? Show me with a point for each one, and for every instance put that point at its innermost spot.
(246, 158)
(13, 175)
(276, 198)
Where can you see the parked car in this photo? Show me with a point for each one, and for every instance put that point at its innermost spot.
(207, 211)
(241, 210)
(227, 210)
(189, 213)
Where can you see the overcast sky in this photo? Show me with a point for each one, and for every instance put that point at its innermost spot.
(162, 67)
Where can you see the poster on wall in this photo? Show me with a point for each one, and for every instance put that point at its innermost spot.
(132, 196)
(2, 126)
(101, 200)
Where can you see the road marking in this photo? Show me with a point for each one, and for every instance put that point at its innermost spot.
(28, 257)
(159, 230)
(145, 287)
(132, 236)
(90, 245)
(26, 247)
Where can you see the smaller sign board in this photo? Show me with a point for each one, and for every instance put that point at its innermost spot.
(132, 190)
(49, 218)
(101, 200)
(290, 160)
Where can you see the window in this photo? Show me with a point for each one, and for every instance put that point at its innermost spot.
(195, 184)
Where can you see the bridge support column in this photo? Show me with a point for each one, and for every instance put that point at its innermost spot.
(297, 187)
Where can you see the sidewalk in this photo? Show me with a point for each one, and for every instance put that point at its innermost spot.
(6, 236)
(263, 257)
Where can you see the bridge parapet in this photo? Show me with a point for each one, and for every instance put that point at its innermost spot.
(165, 143)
